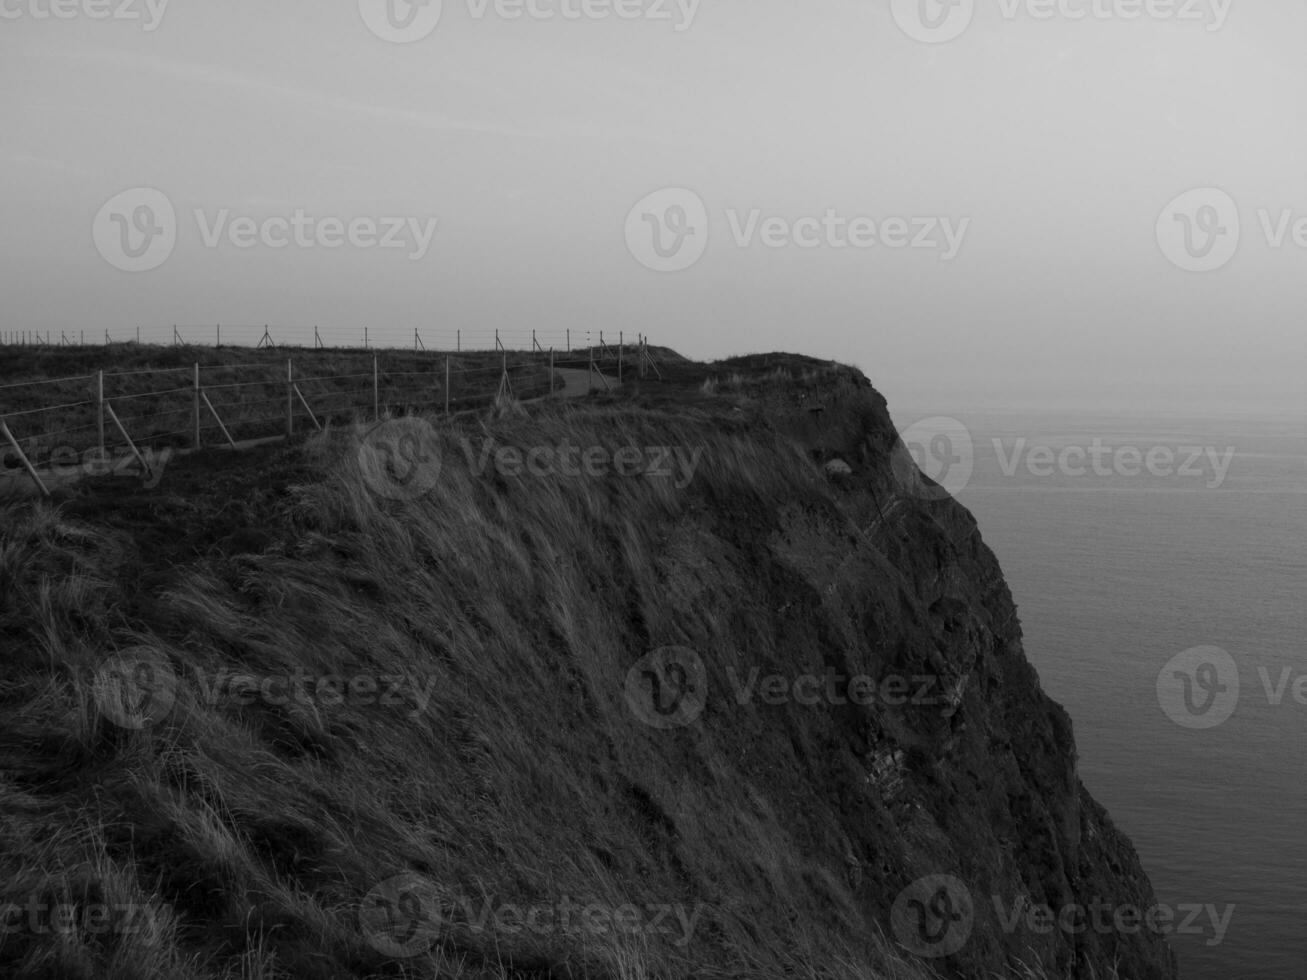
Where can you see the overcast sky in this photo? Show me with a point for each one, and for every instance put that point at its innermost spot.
(1032, 150)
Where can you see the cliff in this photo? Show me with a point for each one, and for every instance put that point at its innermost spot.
(636, 687)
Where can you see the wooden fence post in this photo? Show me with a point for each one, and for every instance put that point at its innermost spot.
(145, 467)
(31, 470)
(447, 375)
(290, 399)
(197, 406)
(376, 390)
(99, 412)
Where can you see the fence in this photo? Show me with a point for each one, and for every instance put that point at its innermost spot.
(258, 394)
(221, 335)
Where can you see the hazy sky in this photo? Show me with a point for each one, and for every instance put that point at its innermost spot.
(1048, 138)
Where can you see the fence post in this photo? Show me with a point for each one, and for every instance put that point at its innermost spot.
(620, 337)
(197, 406)
(459, 342)
(551, 370)
(447, 373)
(145, 467)
(218, 328)
(31, 470)
(376, 390)
(590, 377)
(290, 399)
(99, 401)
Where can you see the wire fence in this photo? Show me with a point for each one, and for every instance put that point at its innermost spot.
(307, 337)
(107, 418)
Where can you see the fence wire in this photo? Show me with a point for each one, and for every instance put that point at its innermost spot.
(156, 411)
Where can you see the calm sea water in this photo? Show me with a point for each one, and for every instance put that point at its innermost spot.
(1116, 574)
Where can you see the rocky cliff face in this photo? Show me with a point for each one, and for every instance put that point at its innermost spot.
(953, 796)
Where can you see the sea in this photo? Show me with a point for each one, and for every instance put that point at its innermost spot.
(1159, 567)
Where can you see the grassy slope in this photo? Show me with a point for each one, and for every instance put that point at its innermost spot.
(256, 831)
